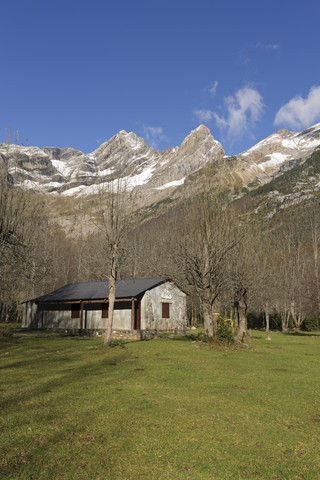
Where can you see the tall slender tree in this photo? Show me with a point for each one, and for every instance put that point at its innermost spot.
(113, 221)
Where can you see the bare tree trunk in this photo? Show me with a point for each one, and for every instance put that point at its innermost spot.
(267, 315)
(234, 317)
(207, 318)
(112, 296)
(193, 316)
(215, 309)
(240, 307)
(285, 315)
(206, 302)
(299, 320)
(112, 293)
(210, 315)
(296, 319)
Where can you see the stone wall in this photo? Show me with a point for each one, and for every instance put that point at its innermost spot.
(151, 309)
(58, 316)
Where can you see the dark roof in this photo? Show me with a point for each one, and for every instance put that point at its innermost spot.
(130, 287)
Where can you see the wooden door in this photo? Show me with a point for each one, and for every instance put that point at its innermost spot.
(137, 317)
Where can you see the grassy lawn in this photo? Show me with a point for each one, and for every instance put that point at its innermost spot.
(160, 409)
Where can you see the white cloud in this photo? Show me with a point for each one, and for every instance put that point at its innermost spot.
(300, 112)
(243, 110)
(154, 135)
(213, 88)
(269, 46)
(203, 115)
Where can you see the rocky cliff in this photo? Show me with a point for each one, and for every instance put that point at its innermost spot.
(151, 175)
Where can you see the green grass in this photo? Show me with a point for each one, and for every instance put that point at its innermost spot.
(160, 409)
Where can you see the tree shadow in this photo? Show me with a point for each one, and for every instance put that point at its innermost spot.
(303, 334)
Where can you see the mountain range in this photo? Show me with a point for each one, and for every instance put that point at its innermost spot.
(153, 176)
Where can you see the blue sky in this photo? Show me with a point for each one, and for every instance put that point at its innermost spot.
(74, 73)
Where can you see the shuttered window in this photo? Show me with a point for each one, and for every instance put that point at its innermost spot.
(75, 310)
(104, 310)
(165, 310)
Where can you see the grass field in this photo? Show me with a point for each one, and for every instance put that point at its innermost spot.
(160, 409)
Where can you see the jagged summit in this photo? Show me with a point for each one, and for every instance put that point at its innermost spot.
(154, 175)
(127, 156)
(199, 134)
(201, 130)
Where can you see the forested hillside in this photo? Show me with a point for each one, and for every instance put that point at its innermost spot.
(233, 252)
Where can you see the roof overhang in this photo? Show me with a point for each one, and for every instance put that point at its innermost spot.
(102, 300)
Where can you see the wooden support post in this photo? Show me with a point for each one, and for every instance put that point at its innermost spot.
(81, 315)
(132, 313)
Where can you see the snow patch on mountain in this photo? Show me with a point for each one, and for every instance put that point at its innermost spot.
(138, 179)
(174, 183)
(275, 159)
(61, 167)
(105, 172)
(80, 189)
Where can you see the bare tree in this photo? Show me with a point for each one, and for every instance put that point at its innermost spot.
(288, 261)
(314, 223)
(259, 268)
(203, 239)
(112, 220)
(18, 215)
(246, 275)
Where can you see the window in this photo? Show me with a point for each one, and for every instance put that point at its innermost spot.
(75, 310)
(165, 310)
(104, 310)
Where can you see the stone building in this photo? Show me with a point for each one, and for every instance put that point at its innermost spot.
(142, 305)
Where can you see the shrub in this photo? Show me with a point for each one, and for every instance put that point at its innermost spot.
(225, 331)
(10, 313)
(310, 324)
(256, 320)
(6, 331)
(275, 321)
(117, 342)
(291, 323)
(200, 337)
